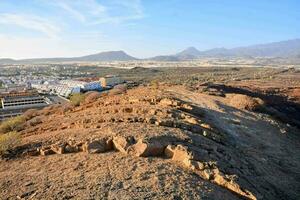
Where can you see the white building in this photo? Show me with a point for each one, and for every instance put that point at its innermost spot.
(110, 80)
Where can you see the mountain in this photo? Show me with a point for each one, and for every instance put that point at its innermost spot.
(289, 48)
(7, 61)
(103, 56)
(164, 58)
(191, 51)
(285, 49)
(108, 56)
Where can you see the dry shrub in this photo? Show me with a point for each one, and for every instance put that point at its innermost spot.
(31, 113)
(34, 121)
(92, 97)
(119, 89)
(76, 99)
(12, 124)
(154, 84)
(8, 141)
(241, 101)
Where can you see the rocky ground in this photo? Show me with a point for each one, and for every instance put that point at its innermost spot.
(164, 142)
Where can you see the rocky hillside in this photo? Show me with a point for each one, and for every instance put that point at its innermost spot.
(153, 143)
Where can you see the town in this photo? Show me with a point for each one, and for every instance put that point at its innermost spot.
(25, 90)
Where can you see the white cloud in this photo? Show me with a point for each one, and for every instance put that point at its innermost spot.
(92, 12)
(30, 22)
(39, 47)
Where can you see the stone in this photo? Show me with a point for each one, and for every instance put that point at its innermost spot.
(58, 148)
(71, 148)
(185, 106)
(46, 151)
(169, 151)
(97, 146)
(199, 165)
(143, 149)
(205, 174)
(166, 102)
(122, 143)
(128, 110)
(205, 125)
(191, 120)
(167, 123)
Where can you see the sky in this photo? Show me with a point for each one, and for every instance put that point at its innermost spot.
(142, 28)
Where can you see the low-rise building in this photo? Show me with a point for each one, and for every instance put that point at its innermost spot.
(110, 80)
(20, 102)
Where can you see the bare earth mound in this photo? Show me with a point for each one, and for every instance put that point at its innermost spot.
(241, 101)
(165, 143)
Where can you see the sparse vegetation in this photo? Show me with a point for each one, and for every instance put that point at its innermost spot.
(154, 84)
(9, 141)
(76, 99)
(13, 124)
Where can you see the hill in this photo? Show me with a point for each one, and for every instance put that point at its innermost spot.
(103, 56)
(163, 143)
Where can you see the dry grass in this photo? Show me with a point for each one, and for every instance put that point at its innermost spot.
(9, 141)
(13, 124)
(76, 99)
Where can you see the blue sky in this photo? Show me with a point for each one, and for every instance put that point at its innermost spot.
(142, 28)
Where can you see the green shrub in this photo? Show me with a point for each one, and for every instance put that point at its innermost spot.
(9, 141)
(76, 99)
(12, 124)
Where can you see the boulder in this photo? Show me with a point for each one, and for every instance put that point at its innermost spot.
(97, 146)
(122, 143)
(179, 153)
(144, 149)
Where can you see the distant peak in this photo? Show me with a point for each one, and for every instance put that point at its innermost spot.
(191, 49)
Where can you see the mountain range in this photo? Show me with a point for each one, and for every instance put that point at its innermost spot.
(284, 49)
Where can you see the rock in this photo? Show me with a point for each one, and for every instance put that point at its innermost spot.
(205, 125)
(191, 120)
(97, 146)
(186, 107)
(166, 102)
(32, 152)
(199, 165)
(58, 148)
(46, 151)
(167, 123)
(181, 154)
(220, 179)
(122, 144)
(205, 174)
(128, 110)
(169, 151)
(150, 120)
(144, 149)
(71, 148)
